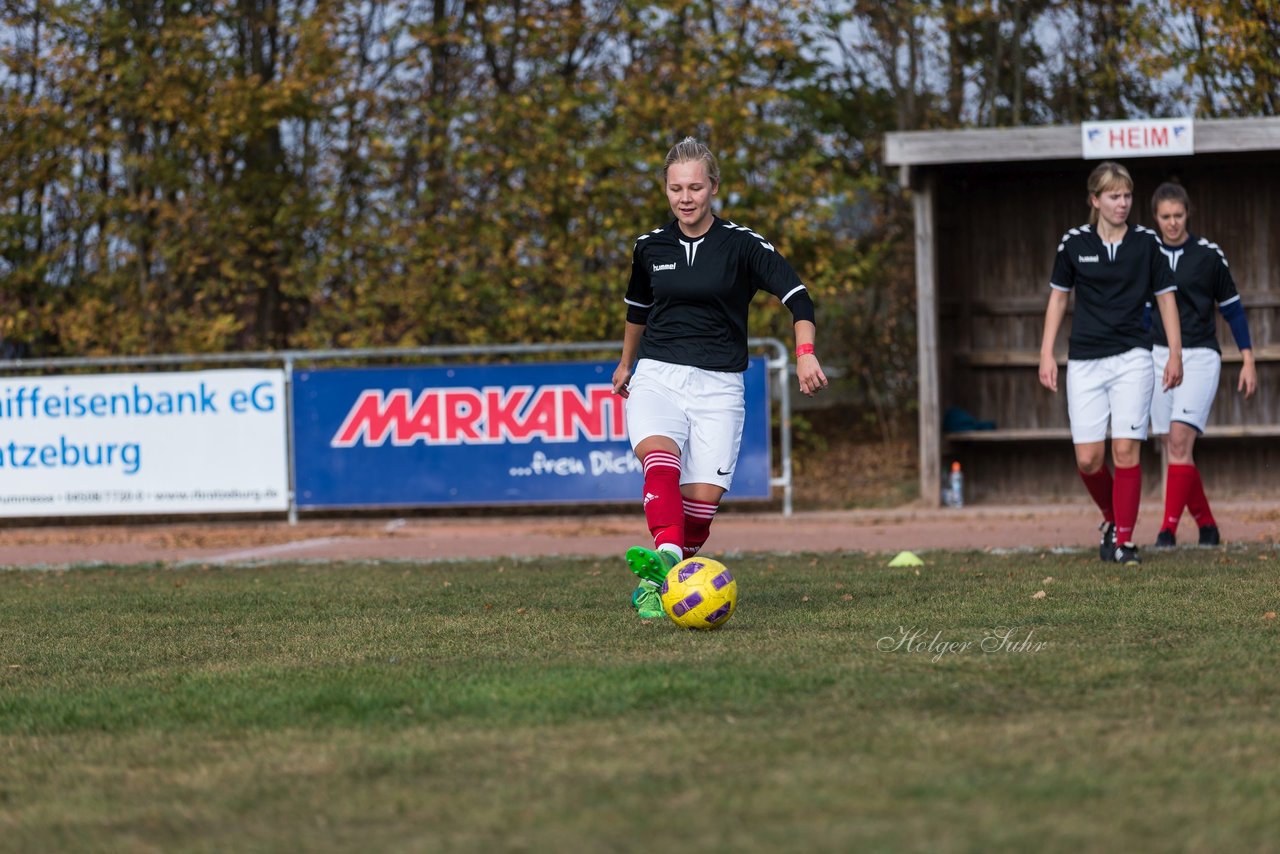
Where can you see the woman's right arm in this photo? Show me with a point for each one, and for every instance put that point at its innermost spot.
(1053, 314)
(627, 364)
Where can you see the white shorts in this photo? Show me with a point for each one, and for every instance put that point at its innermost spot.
(701, 411)
(1190, 402)
(1115, 389)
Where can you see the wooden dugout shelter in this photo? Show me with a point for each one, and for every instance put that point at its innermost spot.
(990, 207)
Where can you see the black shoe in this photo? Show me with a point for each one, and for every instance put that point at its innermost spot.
(1165, 539)
(1209, 535)
(1127, 554)
(1108, 545)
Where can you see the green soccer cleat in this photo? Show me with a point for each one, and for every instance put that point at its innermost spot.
(647, 602)
(650, 565)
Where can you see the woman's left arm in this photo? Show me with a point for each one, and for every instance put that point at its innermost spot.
(808, 369)
(1248, 374)
(1167, 302)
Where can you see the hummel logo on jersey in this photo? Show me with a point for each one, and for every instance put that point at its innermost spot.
(658, 268)
(1088, 259)
(648, 496)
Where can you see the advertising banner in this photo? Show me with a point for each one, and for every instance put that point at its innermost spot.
(484, 435)
(122, 444)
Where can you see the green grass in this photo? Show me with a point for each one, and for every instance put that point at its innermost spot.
(499, 706)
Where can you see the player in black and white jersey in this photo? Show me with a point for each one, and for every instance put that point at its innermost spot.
(1114, 271)
(1178, 416)
(684, 353)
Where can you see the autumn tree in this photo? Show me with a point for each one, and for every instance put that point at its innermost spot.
(1229, 53)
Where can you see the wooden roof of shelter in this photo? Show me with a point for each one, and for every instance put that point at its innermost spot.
(1057, 142)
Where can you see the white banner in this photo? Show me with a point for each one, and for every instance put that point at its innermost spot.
(1137, 138)
(121, 444)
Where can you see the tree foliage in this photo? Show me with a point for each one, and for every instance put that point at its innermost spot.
(1230, 55)
(209, 175)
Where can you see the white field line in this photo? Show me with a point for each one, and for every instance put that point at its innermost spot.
(267, 551)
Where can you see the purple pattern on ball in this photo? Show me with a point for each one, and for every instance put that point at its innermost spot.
(721, 580)
(719, 614)
(662, 591)
(689, 570)
(687, 604)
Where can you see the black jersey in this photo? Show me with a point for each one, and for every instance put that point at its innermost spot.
(692, 295)
(1112, 284)
(1204, 283)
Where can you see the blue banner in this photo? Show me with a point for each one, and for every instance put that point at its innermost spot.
(484, 435)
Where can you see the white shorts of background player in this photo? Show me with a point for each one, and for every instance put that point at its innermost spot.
(1190, 402)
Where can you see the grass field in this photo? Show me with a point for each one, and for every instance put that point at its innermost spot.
(500, 706)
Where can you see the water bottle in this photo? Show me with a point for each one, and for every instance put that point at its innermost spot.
(955, 486)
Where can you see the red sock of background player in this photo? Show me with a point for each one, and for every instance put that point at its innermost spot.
(1177, 490)
(1198, 502)
(663, 503)
(1102, 489)
(1125, 498)
(697, 524)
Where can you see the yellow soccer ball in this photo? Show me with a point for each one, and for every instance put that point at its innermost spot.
(699, 593)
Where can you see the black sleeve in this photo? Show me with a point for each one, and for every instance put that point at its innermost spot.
(771, 272)
(639, 296)
(801, 306)
(1063, 277)
(1162, 280)
(1224, 286)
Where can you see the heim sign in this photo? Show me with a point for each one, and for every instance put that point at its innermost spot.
(1137, 138)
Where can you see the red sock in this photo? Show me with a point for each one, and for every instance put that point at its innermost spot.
(663, 503)
(697, 524)
(1102, 489)
(1177, 489)
(1198, 502)
(1125, 497)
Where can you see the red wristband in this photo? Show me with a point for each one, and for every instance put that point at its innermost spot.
(804, 350)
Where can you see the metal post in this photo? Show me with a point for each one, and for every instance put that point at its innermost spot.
(289, 439)
(779, 372)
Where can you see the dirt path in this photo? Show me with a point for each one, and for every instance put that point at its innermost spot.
(423, 539)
